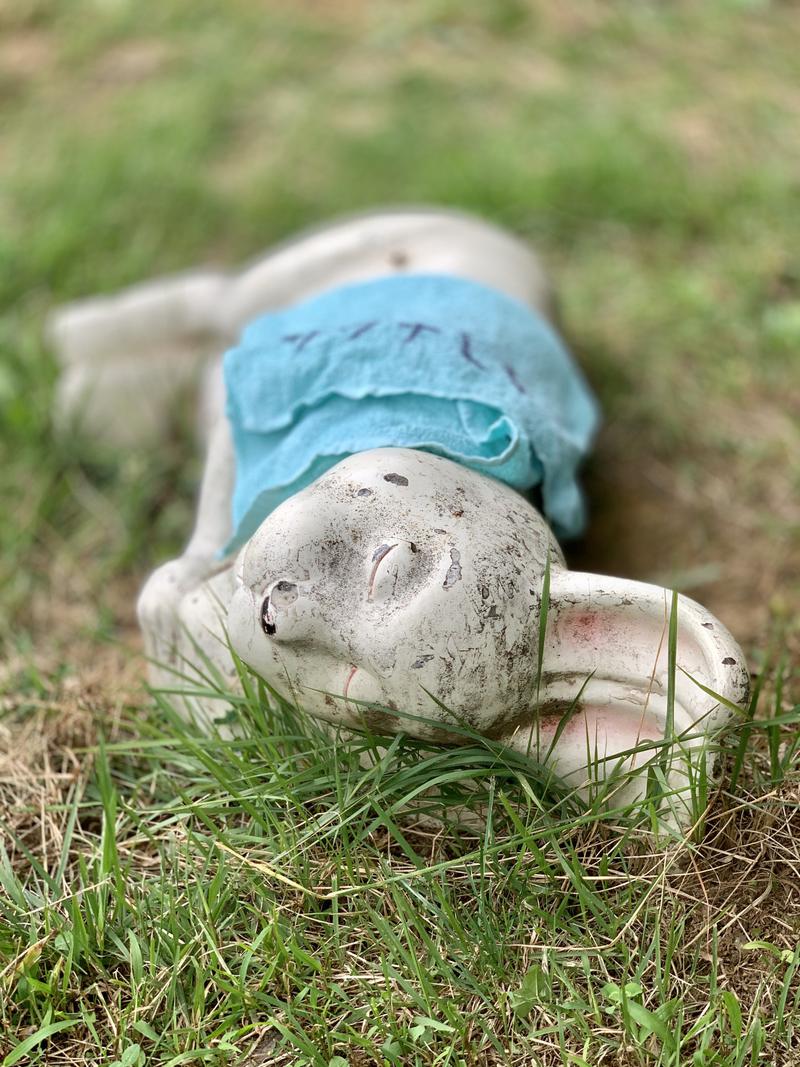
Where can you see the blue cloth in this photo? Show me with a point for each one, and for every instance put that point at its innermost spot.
(418, 361)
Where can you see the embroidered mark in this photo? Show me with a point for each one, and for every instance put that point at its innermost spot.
(359, 331)
(512, 377)
(415, 329)
(466, 351)
(300, 340)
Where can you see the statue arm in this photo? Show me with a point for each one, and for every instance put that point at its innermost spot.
(169, 589)
(213, 522)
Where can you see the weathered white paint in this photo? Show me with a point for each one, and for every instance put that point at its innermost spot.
(399, 574)
(396, 572)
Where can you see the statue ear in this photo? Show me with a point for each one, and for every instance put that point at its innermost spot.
(605, 674)
(617, 631)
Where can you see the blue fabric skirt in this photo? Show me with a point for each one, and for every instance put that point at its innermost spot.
(432, 362)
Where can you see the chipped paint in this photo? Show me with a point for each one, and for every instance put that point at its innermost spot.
(454, 570)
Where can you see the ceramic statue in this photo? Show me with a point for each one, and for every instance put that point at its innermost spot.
(398, 575)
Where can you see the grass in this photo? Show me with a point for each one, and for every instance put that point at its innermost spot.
(275, 893)
(168, 897)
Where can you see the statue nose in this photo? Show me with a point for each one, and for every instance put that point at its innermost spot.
(286, 615)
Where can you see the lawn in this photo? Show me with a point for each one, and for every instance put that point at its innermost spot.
(171, 898)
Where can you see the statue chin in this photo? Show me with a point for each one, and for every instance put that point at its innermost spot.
(400, 576)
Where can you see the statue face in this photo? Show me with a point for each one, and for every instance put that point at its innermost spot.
(400, 584)
(394, 573)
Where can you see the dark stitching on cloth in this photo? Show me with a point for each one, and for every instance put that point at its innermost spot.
(466, 351)
(300, 340)
(416, 329)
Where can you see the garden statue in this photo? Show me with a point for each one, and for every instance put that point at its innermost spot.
(393, 392)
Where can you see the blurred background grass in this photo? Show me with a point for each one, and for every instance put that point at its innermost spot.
(651, 152)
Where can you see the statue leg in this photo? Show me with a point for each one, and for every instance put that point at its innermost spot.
(126, 358)
(183, 606)
(183, 616)
(405, 241)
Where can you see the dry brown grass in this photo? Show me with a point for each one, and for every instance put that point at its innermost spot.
(694, 483)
